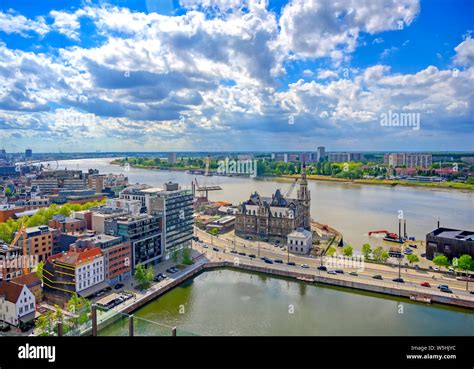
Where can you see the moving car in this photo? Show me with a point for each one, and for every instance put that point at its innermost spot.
(398, 280)
(215, 249)
(242, 253)
(354, 274)
(339, 271)
(377, 276)
(332, 272)
(234, 252)
(305, 266)
(425, 284)
(445, 290)
(268, 261)
(291, 263)
(279, 261)
(205, 246)
(322, 267)
(443, 286)
(252, 256)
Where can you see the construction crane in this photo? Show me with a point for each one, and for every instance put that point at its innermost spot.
(22, 232)
(292, 187)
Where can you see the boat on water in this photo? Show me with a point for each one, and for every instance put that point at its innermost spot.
(420, 298)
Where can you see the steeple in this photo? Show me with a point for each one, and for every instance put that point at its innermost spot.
(304, 198)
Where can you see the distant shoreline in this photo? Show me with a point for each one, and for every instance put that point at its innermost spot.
(377, 182)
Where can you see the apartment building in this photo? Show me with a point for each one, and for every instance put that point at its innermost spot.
(409, 160)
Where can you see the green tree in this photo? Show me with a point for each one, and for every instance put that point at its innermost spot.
(412, 258)
(366, 250)
(214, 231)
(187, 257)
(384, 257)
(43, 323)
(331, 251)
(143, 276)
(441, 261)
(347, 250)
(377, 253)
(465, 263)
(39, 270)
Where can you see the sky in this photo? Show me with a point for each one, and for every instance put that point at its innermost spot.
(249, 75)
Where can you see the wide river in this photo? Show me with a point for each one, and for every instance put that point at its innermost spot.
(353, 209)
(229, 302)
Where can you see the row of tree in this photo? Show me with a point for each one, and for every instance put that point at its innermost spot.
(41, 217)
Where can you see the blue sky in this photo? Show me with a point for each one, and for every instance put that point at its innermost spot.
(236, 75)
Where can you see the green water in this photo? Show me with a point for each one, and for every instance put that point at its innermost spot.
(230, 302)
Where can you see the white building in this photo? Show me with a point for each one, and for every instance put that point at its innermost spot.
(90, 271)
(300, 241)
(17, 303)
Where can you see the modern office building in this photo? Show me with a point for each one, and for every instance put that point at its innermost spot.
(28, 153)
(449, 242)
(171, 203)
(144, 232)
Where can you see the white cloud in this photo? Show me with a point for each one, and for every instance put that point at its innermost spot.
(67, 23)
(13, 23)
(321, 28)
(465, 52)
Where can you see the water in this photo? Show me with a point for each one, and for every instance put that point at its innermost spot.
(230, 302)
(353, 209)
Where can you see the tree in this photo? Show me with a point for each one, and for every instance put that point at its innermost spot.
(441, 261)
(39, 270)
(465, 262)
(214, 231)
(347, 250)
(366, 250)
(187, 257)
(412, 258)
(331, 251)
(384, 257)
(377, 253)
(43, 323)
(142, 276)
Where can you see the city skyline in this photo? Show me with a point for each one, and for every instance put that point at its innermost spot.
(236, 76)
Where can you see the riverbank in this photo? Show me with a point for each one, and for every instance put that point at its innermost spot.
(380, 182)
(388, 182)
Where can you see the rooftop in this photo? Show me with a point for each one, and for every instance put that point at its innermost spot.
(455, 234)
(11, 291)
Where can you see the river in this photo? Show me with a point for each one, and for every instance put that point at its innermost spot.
(353, 209)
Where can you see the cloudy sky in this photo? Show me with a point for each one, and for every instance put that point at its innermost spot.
(162, 75)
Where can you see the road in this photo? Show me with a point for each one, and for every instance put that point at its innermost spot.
(411, 277)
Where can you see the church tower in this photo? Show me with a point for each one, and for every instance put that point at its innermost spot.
(304, 198)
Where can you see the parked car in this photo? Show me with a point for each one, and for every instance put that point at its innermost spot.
(339, 271)
(398, 280)
(408, 251)
(331, 272)
(322, 267)
(377, 276)
(305, 266)
(471, 292)
(118, 286)
(354, 274)
(292, 263)
(425, 284)
(412, 245)
(249, 238)
(279, 261)
(163, 275)
(430, 267)
(215, 249)
(436, 269)
(4, 327)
